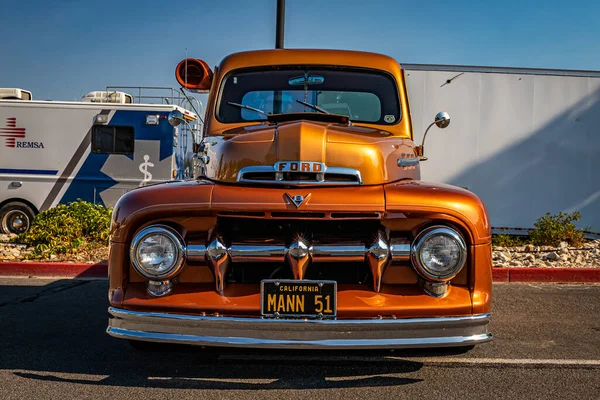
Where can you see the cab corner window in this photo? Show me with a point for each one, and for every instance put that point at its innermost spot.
(112, 139)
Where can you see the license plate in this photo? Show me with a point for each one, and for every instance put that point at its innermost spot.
(296, 299)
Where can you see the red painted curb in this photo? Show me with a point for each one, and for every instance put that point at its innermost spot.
(554, 275)
(54, 269)
(499, 275)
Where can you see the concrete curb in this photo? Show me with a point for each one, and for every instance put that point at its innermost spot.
(100, 270)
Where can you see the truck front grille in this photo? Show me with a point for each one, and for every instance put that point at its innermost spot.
(348, 251)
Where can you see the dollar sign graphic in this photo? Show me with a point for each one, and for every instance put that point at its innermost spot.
(144, 170)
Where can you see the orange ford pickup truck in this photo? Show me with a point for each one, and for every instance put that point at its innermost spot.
(309, 226)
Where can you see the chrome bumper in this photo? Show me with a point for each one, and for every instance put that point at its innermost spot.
(299, 334)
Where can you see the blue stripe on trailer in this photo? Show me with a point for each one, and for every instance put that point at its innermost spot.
(28, 171)
(90, 181)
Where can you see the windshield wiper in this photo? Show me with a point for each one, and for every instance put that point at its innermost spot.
(314, 107)
(248, 108)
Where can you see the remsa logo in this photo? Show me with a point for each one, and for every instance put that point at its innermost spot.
(15, 135)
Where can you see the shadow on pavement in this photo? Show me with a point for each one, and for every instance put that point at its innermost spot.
(58, 334)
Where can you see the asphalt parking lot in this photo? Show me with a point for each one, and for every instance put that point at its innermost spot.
(54, 345)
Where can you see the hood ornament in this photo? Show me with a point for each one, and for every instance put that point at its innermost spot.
(298, 199)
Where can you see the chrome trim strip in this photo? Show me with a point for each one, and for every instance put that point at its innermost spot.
(400, 251)
(257, 253)
(336, 253)
(408, 162)
(257, 168)
(120, 312)
(345, 171)
(326, 170)
(276, 253)
(300, 344)
(196, 253)
(283, 182)
(276, 333)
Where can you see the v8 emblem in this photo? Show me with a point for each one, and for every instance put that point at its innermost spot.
(298, 199)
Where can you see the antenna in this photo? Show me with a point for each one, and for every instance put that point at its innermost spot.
(186, 57)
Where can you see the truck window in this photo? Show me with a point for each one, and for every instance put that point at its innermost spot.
(363, 95)
(366, 106)
(113, 139)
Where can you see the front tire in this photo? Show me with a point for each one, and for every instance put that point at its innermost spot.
(16, 217)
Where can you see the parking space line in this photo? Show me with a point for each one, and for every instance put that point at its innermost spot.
(254, 381)
(504, 361)
(441, 360)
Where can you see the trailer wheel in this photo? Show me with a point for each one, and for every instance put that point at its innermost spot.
(15, 217)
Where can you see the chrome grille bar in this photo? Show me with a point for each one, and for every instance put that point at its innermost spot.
(276, 253)
(400, 251)
(337, 253)
(257, 253)
(299, 255)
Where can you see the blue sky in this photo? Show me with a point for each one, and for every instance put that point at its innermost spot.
(63, 49)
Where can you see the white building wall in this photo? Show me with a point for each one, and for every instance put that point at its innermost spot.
(526, 143)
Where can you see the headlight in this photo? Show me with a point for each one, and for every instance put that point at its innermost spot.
(157, 252)
(439, 253)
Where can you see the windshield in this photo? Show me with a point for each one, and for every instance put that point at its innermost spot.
(363, 96)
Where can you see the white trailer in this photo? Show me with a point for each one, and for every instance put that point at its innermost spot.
(527, 141)
(55, 152)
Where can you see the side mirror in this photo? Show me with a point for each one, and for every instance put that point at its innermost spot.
(175, 117)
(442, 120)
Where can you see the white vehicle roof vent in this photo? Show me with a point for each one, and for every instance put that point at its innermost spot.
(15, 94)
(108, 97)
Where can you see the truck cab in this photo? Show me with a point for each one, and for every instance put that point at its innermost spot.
(309, 226)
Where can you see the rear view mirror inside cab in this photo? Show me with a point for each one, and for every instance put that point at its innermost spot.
(306, 80)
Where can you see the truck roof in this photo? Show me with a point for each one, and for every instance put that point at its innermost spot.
(309, 57)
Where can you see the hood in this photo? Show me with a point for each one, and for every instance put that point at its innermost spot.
(305, 152)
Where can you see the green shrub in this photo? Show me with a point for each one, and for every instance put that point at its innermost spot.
(550, 230)
(67, 228)
(505, 240)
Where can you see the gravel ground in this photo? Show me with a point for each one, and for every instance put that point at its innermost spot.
(563, 256)
(18, 252)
